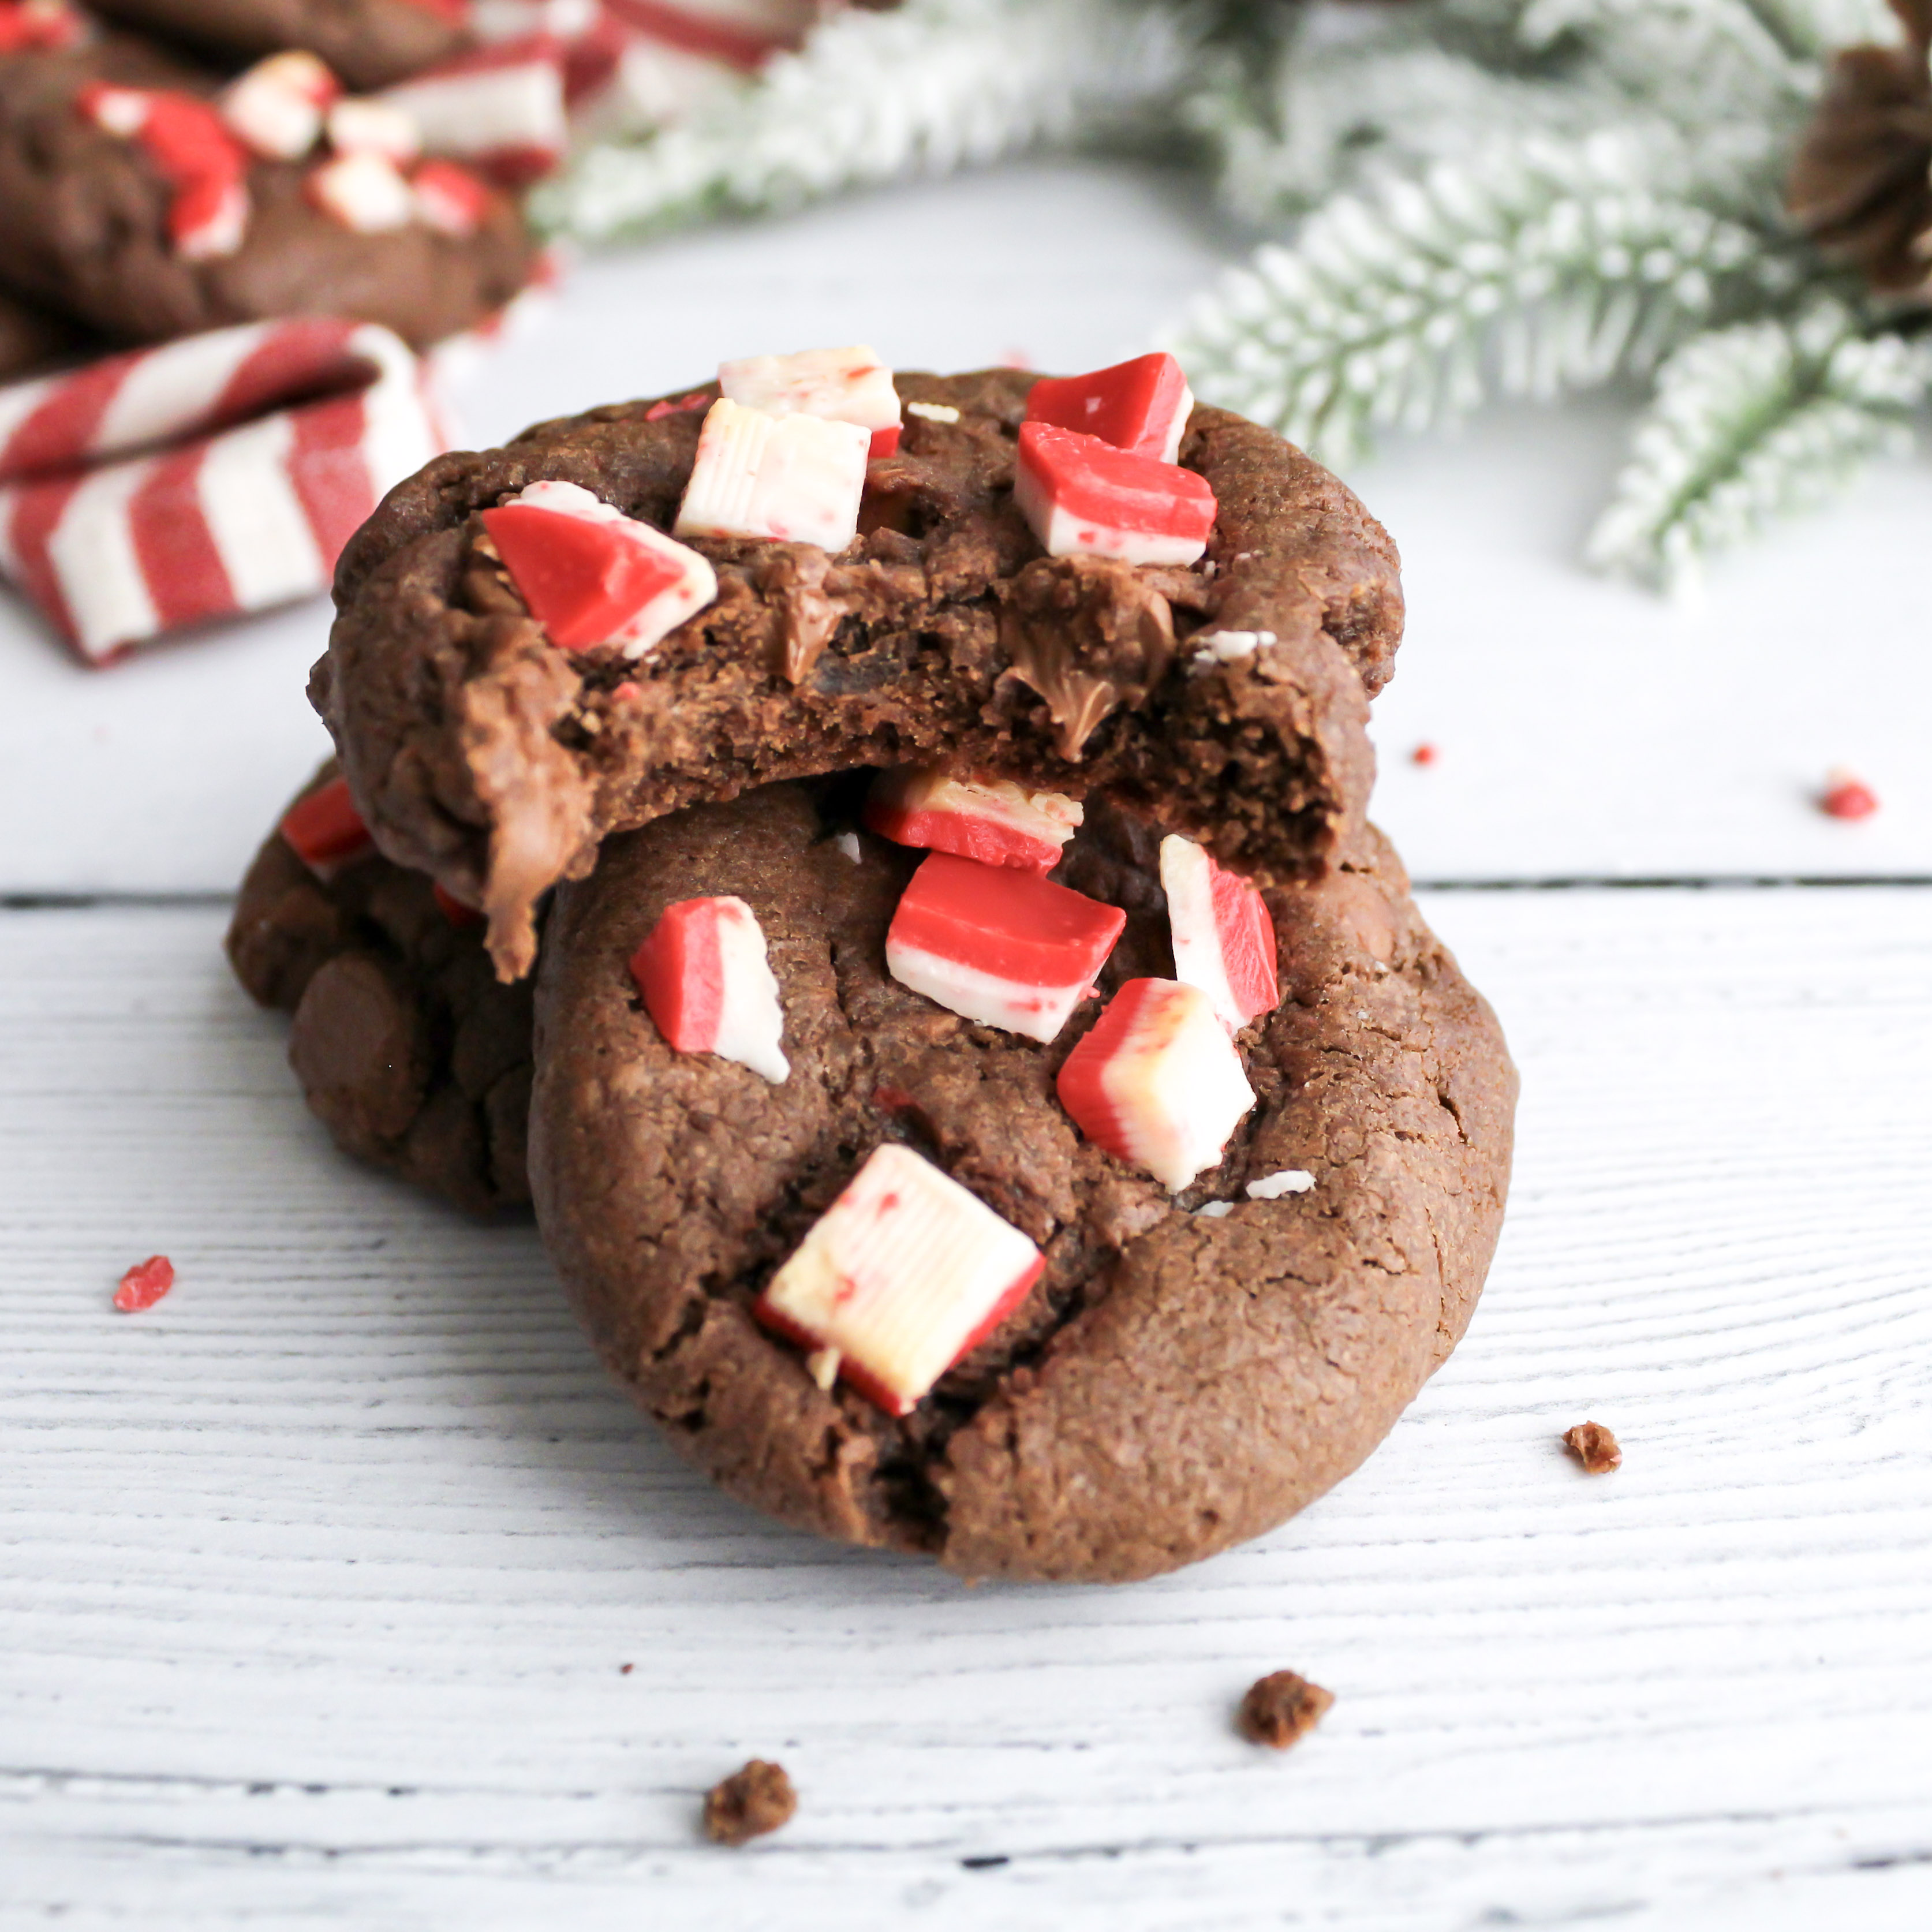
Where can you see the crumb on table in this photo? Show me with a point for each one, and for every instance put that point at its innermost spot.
(1282, 1709)
(1594, 1447)
(749, 1803)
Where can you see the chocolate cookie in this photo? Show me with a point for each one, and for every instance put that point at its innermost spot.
(84, 226)
(483, 753)
(1189, 1369)
(410, 1051)
(370, 43)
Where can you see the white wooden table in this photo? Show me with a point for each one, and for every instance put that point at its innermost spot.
(320, 1579)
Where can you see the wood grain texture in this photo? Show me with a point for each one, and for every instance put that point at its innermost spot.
(318, 1576)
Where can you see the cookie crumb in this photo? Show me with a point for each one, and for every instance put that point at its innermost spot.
(749, 1803)
(1281, 1709)
(144, 1285)
(1594, 1447)
(625, 1669)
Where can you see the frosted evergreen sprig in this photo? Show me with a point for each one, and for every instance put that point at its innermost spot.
(1524, 197)
(934, 86)
(1538, 266)
(1753, 423)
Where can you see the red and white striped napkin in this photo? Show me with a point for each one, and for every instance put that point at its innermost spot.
(216, 475)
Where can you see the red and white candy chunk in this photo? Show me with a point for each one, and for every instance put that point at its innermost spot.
(192, 149)
(796, 479)
(592, 575)
(1083, 497)
(707, 983)
(374, 127)
(1223, 937)
(1157, 1081)
(363, 190)
(849, 386)
(500, 108)
(1141, 407)
(902, 1275)
(1001, 947)
(991, 820)
(275, 108)
(324, 830)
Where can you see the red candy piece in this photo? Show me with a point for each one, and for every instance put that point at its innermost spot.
(451, 200)
(454, 910)
(679, 406)
(1849, 797)
(1157, 1080)
(1084, 498)
(584, 580)
(906, 1272)
(34, 28)
(999, 945)
(189, 143)
(1424, 753)
(143, 1285)
(707, 983)
(1224, 939)
(1141, 406)
(994, 821)
(885, 443)
(324, 830)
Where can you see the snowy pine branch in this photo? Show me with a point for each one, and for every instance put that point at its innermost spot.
(934, 86)
(1755, 422)
(1541, 265)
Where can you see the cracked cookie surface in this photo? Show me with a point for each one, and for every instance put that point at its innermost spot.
(479, 752)
(1177, 1381)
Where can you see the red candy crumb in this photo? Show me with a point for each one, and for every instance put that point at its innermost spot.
(1847, 797)
(1424, 753)
(324, 830)
(143, 1285)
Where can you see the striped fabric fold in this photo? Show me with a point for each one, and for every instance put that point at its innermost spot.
(214, 476)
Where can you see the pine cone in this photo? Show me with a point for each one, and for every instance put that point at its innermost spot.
(1862, 185)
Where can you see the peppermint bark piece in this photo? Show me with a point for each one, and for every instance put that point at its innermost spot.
(481, 753)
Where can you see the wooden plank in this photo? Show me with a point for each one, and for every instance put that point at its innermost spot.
(320, 1576)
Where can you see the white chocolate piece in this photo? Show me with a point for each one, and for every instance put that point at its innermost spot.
(796, 478)
(841, 384)
(275, 108)
(901, 1275)
(938, 413)
(374, 127)
(1035, 1012)
(364, 192)
(1286, 1180)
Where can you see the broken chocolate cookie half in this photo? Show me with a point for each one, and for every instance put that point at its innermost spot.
(1225, 699)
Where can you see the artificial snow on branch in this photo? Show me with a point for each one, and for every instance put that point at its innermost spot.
(1526, 196)
(934, 86)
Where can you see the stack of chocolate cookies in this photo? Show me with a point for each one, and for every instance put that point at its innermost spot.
(169, 167)
(987, 1090)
